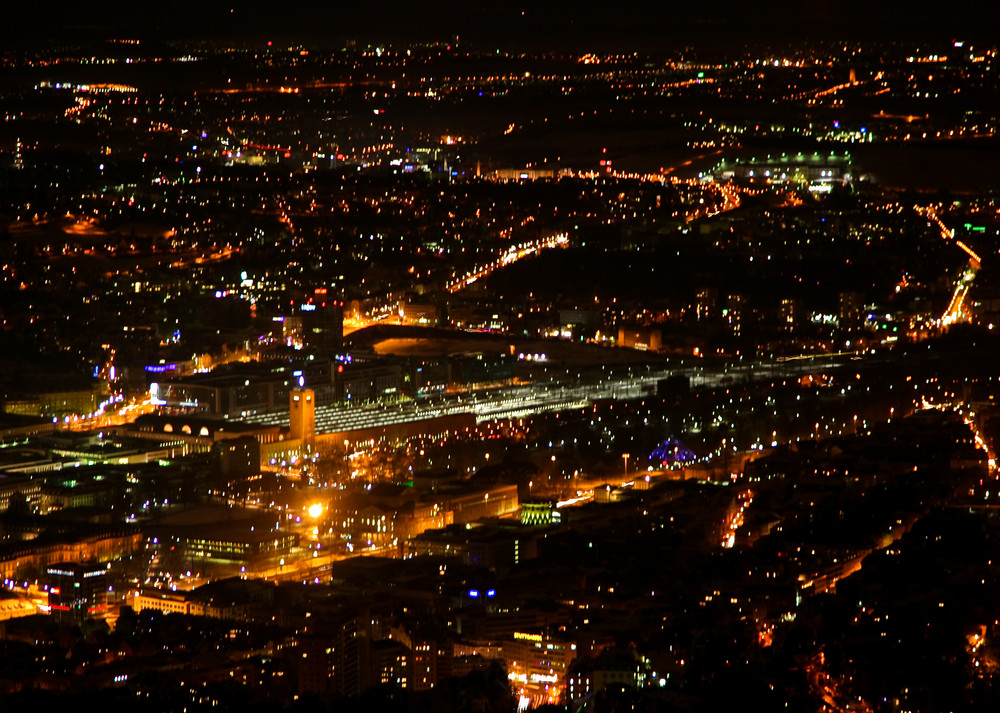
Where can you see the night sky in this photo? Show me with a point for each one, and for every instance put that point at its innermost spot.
(559, 24)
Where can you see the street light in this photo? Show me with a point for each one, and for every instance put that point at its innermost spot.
(625, 457)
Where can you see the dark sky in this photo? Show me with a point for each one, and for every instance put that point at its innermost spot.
(558, 23)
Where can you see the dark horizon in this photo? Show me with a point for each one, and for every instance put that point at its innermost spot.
(561, 25)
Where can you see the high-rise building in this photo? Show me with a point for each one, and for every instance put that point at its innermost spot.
(852, 310)
(322, 323)
(707, 303)
(78, 591)
(736, 311)
(790, 313)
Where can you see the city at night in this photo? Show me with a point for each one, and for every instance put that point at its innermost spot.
(571, 357)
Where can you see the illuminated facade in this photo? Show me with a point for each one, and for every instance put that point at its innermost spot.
(78, 591)
(537, 664)
(302, 415)
(643, 339)
(540, 513)
(113, 543)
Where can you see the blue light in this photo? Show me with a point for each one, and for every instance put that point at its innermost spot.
(474, 594)
(672, 451)
(159, 368)
(491, 592)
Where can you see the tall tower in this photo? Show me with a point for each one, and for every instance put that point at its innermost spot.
(302, 416)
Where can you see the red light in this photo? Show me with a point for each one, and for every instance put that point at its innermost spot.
(340, 368)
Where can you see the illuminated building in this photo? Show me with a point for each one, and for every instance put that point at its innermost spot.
(237, 457)
(164, 600)
(468, 507)
(234, 598)
(340, 661)
(491, 546)
(423, 314)
(817, 171)
(116, 450)
(78, 591)
(58, 402)
(240, 390)
(478, 369)
(537, 664)
(20, 488)
(707, 304)
(79, 543)
(460, 371)
(614, 669)
(641, 338)
(219, 539)
(432, 662)
(360, 380)
(790, 313)
(17, 428)
(540, 513)
(392, 664)
(302, 415)
(852, 310)
(322, 323)
(736, 311)
(525, 174)
(191, 434)
(376, 525)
